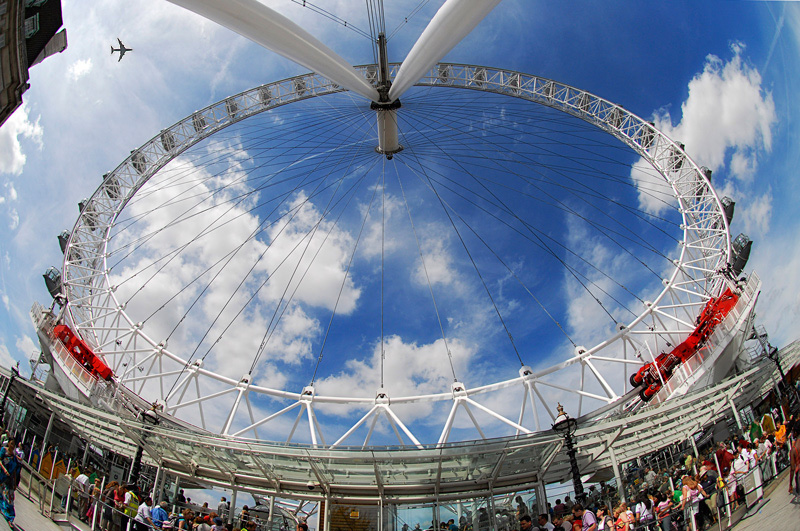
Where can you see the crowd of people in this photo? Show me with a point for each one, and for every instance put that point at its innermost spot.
(693, 489)
(114, 506)
(691, 493)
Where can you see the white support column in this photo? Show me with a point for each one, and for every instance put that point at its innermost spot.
(46, 439)
(273, 31)
(33, 446)
(233, 507)
(454, 20)
(69, 490)
(327, 526)
(541, 496)
(161, 486)
(175, 492)
(696, 453)
(53, 464)
(155, 495)
(85, 455)
(735, 413)
(615, 466)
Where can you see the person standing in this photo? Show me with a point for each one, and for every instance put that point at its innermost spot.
(143, 520)
(544, 524)
(587, 518)
(794, 464)
(159, 515)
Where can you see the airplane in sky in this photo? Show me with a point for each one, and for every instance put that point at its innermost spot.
(121, 50)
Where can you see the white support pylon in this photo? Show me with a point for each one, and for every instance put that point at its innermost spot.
(270, 29)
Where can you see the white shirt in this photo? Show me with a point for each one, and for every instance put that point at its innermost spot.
(143, 513)
(83, 480)
(549, 526)
(745, 456)
(644, 512)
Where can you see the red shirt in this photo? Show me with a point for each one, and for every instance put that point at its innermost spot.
(725, 459)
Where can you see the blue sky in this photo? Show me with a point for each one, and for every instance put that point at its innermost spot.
(719, 76)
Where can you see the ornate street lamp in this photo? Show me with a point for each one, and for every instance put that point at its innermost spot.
(566, 426)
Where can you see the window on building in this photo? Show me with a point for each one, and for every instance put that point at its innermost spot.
(31, 26)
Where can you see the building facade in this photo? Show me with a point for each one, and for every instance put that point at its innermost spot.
(30, 31)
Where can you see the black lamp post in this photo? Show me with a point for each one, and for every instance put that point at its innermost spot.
(566, 426)
(14, 375)
(150, 419)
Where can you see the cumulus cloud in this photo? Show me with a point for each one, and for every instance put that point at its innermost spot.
(410, 368)
(438, 266)
(726, 124)
(756, 214)
(6, 359)
(79, 68)
(18, 126)
(240, 287)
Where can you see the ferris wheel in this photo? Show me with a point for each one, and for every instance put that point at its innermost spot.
(398, 254)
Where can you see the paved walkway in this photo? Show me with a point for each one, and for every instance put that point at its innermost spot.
(778, 511)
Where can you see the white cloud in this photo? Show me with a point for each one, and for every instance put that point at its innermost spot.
(323, 251)
(726, 123)
(79, 68)
(13, 221)
(26, 346)
(726, 108)
(410, 369)
(756, 214)
(776, 260)
(18, 126)
(6, 359)
(11, 192)
(655, 195)
(438, 266)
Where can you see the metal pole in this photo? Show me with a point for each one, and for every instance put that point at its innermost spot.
(615, 466)
(163, 482)
(69, 489)
(328, 511)
(69, 501)
(85, 455)
(696, 453)
(155, 495)
(541, 496)
(178, 489)
(576, 474)
(136, 465)
(53, 463)
(30, 454)
(98, 506)
(735, 414)
(492, 516)
(271, 511)
(52, 496)
(46, 439)
(233, 507)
